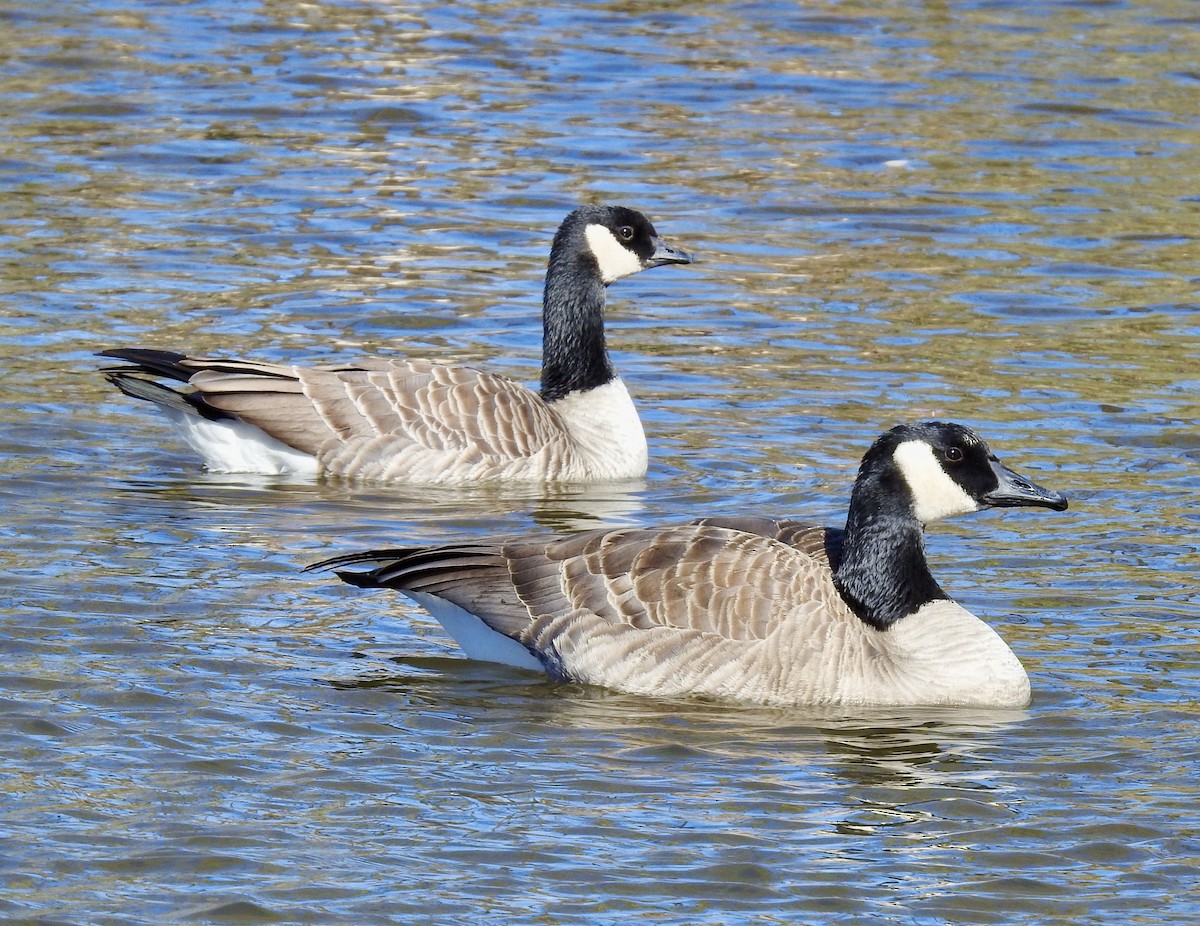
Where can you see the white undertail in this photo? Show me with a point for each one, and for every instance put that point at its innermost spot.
(476, 639)
(231, 446)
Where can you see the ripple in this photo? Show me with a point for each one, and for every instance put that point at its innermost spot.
(897, 216)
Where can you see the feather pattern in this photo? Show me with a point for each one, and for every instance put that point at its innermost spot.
(705, 609)
(409, 420)
(422, 421)
(735, 607)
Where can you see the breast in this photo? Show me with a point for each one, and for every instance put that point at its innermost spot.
(824, 655)
(605, 432)
(944, 654)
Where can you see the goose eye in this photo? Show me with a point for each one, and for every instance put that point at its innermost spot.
(625, 232)
(954, 454)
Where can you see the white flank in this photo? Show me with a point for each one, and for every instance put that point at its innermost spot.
(605, 427)
(935, 494)
(229, 446)
(475, 638)
(615, 260)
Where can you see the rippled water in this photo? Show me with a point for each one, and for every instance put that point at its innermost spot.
(979, 211)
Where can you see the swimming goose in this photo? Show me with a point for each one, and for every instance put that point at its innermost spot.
(755, 609)
(427, 422)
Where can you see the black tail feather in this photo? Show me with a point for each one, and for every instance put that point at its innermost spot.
(368, 556)
(409, 568)
(358, 579)
(190, 403)
(147, 360)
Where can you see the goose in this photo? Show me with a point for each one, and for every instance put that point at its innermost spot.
(744, 608)
(421, 421)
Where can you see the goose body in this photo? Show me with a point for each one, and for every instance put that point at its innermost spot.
(427, 422)
(745, 608)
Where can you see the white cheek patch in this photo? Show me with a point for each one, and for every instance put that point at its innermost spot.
(614, 258)
(935, 495)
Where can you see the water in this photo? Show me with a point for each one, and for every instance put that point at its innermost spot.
(978, 211)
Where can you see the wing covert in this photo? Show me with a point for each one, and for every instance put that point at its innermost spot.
(386, 405)
(714, 580)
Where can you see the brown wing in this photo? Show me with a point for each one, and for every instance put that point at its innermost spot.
(736, 585)
(379, 407)
(823, 544)
(731, 583)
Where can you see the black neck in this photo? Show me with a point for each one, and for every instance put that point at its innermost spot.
(883, 574)
(574, 355)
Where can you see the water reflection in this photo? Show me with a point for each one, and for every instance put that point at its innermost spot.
(866, 747)
(343, 513)
(975, 212)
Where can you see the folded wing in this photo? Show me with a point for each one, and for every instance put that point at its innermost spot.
(606, 605)
(372, 419)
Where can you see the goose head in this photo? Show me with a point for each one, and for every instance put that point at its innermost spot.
(620, 241)
(913, 475)
(947, 469)
(593, 247)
